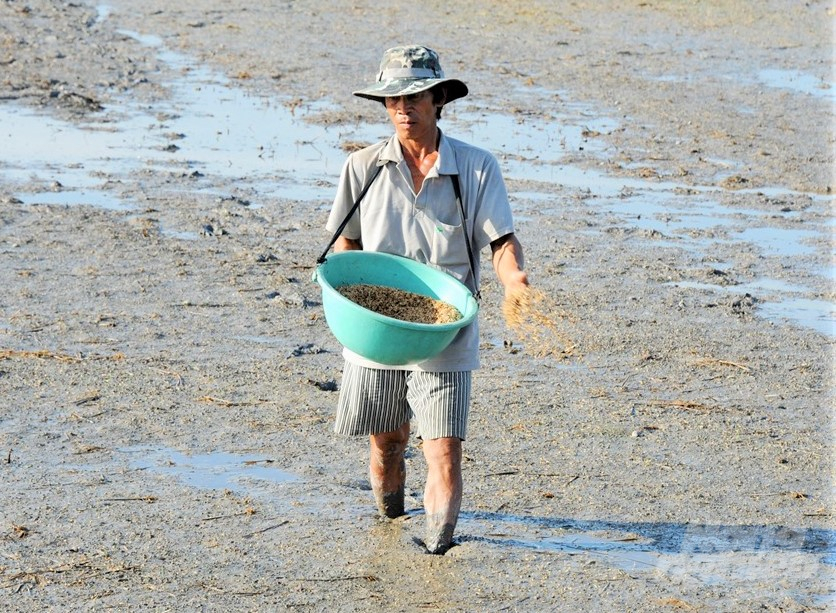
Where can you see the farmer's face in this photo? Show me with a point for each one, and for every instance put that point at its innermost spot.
(414, 116)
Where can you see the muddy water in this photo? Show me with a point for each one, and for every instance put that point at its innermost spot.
(212, 128)
(224, 471)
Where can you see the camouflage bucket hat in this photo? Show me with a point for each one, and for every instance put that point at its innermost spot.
(410, 70)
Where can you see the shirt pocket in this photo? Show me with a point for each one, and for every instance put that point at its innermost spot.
(449, 249)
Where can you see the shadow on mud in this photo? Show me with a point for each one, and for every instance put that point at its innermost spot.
(637, 545)
(758, 560)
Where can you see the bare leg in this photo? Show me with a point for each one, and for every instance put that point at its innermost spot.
(387, 470)
(443, 492)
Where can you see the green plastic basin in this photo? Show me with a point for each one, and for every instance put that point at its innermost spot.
(380, 338)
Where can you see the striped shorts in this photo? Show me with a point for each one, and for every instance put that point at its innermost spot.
(373, 401)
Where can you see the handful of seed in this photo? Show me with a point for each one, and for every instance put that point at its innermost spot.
(400, 304)
(531, 315)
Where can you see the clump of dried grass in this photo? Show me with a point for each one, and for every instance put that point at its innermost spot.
(533, 316)
(718, 362)
(350, 146)
(400, 304)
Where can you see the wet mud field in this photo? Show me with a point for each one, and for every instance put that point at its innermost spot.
(168, 381)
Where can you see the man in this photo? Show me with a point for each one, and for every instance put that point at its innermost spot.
(439, 201)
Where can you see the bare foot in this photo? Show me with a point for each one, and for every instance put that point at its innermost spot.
(390, 504)
(387, 471)
(439, 535)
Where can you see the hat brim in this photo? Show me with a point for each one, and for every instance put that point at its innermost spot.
(405, 87)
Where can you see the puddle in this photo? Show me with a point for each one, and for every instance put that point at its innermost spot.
(672, 215)
(619, 553)
(796, 81)
(224, 471)
(778, 241)
(96, 199)
(222, 131)
(677, 218)
(530, 140)
(209, 127)
(820, 315)
(664, 213)
(659, 537)
(779, 300)
(711, 554)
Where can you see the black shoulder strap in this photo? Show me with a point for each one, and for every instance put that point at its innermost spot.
(344, 223)
(457, 188)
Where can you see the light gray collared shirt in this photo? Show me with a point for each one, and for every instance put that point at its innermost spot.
(426, 226)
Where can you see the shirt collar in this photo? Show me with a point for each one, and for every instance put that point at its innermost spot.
(391, 152)
(446, 157)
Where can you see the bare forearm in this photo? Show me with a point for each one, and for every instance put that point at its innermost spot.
(509, 263)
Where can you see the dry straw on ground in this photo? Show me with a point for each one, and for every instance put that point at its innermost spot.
(43, 354)
(400, 304)
(534, 317)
